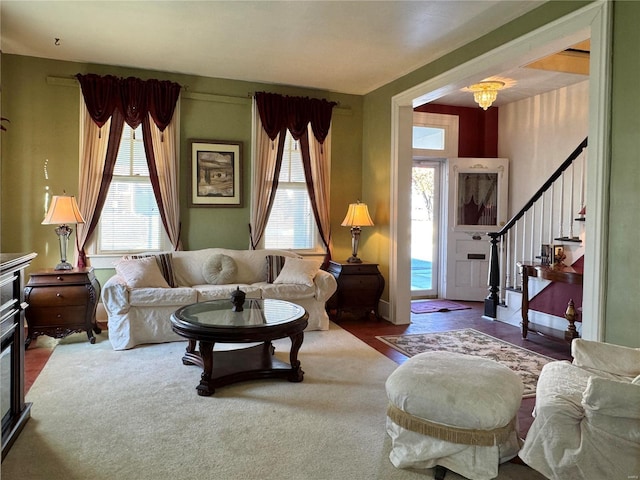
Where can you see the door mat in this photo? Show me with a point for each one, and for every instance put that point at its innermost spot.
(468, 341)
(430, 306)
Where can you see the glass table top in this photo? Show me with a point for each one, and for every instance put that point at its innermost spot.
(219, 313)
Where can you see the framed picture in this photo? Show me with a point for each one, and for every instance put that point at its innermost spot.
(216, 174)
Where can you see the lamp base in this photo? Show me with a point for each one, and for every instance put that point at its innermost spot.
(353, 259)
(64, 266)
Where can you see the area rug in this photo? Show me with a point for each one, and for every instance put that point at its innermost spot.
(524, 362)
(134, 415)
(431, 306)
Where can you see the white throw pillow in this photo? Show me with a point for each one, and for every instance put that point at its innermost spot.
(141, 273)
(219, 269)
(298, 271)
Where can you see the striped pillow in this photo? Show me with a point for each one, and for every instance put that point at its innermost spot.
(274, 266)
(165, 264)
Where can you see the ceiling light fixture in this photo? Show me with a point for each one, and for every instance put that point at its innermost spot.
(485, 93)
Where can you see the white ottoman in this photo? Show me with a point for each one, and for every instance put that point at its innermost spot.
(455, 411)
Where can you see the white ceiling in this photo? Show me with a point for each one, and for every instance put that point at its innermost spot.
(342, 46)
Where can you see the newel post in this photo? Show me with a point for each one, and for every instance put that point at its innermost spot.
(491, 302)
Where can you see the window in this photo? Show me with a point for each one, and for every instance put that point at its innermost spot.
(291, 223)
(435, 135)
(130, 220)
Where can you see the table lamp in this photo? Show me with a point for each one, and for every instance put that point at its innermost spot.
(62, 211)
(357, 216)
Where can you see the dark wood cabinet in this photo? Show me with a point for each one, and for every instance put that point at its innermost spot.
(62, 302)
(360, 286)
(15, 412)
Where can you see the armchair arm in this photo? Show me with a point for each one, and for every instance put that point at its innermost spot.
(607, 357)
(604, 396)
(325, 285)
(115, 296)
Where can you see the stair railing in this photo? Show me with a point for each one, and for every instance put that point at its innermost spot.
(504, 243)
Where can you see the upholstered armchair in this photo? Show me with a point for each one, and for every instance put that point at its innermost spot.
(587, 415)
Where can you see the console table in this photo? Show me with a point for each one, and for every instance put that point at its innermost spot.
(554, 273)
(15, 412)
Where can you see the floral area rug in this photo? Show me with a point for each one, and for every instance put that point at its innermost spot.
(468, 341)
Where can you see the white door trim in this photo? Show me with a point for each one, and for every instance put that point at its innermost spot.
(593, 20)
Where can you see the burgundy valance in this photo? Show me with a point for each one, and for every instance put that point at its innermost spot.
(133, 97)
(278, 112)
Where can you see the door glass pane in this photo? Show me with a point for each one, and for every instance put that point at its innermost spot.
(477, 199)
(428, 138)
(422, 220)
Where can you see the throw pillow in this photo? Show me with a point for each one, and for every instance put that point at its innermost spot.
(298, 271)
(141, 273)
(165, 263)
(219, 269)
(274, 266)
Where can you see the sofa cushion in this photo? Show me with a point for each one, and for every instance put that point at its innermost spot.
(223, 292)
(274, 266)
(287, 291)
(165, 263)
(219, 269)
(161, 297)
(141, 273)
(298, 271)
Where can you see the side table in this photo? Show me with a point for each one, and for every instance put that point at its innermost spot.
(360, 286)
(62, 302)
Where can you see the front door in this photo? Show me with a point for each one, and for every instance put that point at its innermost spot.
(477, 204)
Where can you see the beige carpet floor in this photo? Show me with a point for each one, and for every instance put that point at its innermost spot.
(135, 415)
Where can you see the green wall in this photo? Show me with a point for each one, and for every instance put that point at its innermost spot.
(42, 100)
(623, 283)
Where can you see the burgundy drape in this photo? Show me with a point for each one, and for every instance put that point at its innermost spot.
(294, 113)
(279, 113)
(133, 97)
(129, 100)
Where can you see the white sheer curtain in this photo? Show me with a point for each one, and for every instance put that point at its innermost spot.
(93, 151)
(321, 177)
(264, 179)
(165, 151)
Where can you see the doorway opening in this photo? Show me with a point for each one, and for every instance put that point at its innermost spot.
(425, 220)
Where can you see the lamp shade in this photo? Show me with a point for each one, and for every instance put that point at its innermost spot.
(357, 216)
(63, 210)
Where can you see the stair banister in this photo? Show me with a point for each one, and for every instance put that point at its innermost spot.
(493, 299)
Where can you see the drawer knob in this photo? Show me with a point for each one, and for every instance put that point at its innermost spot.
(59, 278)
(58, 294)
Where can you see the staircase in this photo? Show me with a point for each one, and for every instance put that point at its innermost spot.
(551, 222)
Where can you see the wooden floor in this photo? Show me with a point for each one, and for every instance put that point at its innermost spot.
(365, 329)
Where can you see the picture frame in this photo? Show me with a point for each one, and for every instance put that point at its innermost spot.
(216, 174)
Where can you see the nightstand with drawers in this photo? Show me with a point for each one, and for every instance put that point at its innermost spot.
(62, 302)
(360, 286)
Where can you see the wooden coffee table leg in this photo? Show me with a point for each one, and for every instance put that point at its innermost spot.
(191, 356)
(206, 353)
(296, 374)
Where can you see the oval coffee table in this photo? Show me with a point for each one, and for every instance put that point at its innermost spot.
(260, 321)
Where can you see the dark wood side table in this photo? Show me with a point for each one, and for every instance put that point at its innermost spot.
(62, 302)
(360, 286)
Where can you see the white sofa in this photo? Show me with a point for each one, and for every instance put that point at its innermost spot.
(587, 415)
(139, 304)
